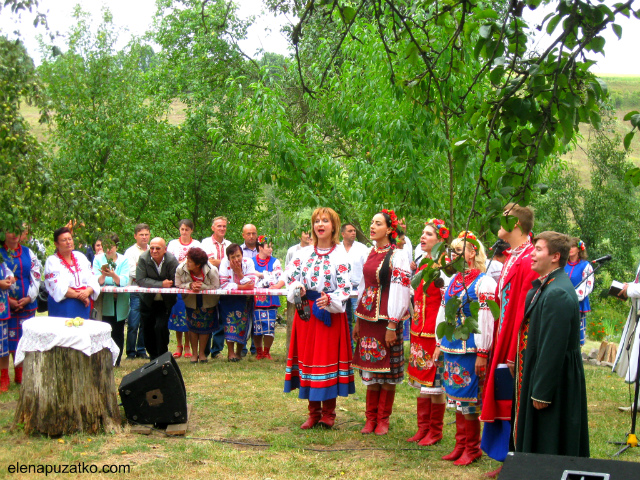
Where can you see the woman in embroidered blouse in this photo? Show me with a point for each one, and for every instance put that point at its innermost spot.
(197, 274)
(69, 279)
(319, 357)
(424, 370)
(266, 306)
(115, 308)
(578, 268)
(236, 311)
(465, 360)
(178, 319)
(383, 302)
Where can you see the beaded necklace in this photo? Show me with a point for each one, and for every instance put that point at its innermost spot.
(76, 273)
(460, 282)
(15, 253)
(261, 262)
(315, 248)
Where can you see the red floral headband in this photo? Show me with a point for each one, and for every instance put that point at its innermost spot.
(470, 235)
(264, 239)
(394, 222)
(441, 230)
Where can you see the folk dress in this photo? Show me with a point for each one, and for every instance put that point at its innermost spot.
(4, 312)
(460, 380)
(202, 310)
(27, 269)
(380, 301)
(577, 272)
(266, 306)
(236, 311)
(319, 357)
(422, 370)
(178, 317)
(59, 276)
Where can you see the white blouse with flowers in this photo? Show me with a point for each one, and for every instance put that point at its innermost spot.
(321, 270)
(179, 249)
(60, 276)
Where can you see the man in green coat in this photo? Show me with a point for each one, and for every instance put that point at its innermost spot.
(551, 396)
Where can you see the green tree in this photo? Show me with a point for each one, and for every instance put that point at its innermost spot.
(25, 177)
(603, 214)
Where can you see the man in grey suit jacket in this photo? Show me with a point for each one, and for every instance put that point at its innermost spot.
(156, 269)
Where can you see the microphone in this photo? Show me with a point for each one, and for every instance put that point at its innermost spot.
(606, 258)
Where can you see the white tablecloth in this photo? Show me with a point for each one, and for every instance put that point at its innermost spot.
(41, 334)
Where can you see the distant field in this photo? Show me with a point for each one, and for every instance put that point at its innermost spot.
(624, 91)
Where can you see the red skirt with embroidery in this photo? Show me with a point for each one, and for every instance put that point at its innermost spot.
(319, 359)
(422, 368)
(374, 357)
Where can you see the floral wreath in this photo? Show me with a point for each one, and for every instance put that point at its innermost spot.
(441, 230)
(581, 245)
(394, 222)
(469, 234)
(263, 239)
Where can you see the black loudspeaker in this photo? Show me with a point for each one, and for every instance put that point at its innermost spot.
(531, 466)
(155, 393)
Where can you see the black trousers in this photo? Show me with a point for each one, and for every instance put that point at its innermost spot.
(155, 325)
(117, 333)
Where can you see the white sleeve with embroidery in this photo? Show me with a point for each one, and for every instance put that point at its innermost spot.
(276, 273)
(586, 287)
(339, 283)
(36, 272)
(292, 274)
(249, 270)
(55, 280)
(485, 290)
(399, 287)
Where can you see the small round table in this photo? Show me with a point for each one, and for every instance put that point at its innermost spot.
(68, 383)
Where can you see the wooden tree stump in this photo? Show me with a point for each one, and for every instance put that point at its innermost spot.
(65, 391)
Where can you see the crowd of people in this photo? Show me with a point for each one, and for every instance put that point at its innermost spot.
(349, 306)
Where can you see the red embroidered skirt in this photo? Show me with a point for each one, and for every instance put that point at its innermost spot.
(422, 368)
(319, 359)
(382, 364)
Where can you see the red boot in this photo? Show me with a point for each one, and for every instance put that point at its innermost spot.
(385, 407)
(371, 413)
(259, 353)
(435, 425)
(328, 413)
(315, 412)
(266, 353)
(18, 375)
(458, 450)
(423, 411)
(472, 450)
(4, 380)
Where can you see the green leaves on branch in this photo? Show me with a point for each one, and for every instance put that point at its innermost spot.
(450, 328)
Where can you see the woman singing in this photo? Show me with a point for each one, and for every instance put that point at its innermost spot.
(383, 302)
(319, 358)
(465, 360)
(424, 369)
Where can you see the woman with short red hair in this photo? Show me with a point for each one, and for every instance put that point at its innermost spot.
(319, 358)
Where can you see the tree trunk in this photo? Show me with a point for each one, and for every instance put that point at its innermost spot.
(65, 391)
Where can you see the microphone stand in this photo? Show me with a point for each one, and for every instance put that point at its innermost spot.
(598, 266)
(632, 439)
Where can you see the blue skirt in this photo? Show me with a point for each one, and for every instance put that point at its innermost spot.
(202, 320)
(236, 314)
(459, 378)
(68, 308)
(264, 321)
(4, 338)
(178, 318)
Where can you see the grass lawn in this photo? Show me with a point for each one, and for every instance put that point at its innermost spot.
(243, 426)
